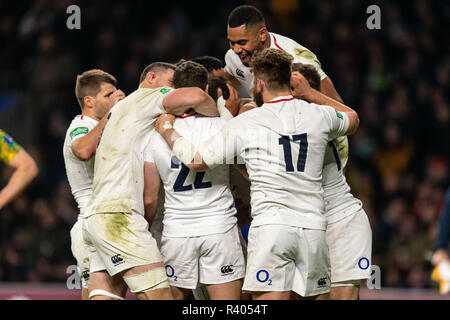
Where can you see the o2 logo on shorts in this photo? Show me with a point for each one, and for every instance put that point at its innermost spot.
(263, 277)
(363, 263)
(170, 272)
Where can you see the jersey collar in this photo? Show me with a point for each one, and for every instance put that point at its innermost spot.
(280, 99)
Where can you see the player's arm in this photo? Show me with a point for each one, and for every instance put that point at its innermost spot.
(152, 182)
(217, 150)
(25, 170)
(328, 89)
(84, 148)
(302, 90)
(183, 149)
(181, 100)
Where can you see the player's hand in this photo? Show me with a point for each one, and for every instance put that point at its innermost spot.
(233, 102)
(439, 256)
(116, 96)
(299, 85)
(164, 122)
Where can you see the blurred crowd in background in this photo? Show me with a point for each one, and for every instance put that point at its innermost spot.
(397, 78)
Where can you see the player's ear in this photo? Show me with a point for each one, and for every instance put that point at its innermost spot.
(263, 34)
(260, 85)
(150, 76)
(88, 101)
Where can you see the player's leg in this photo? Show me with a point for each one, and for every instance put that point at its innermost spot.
(81, 254)
(180, 255)
(222, 264)
(350, 246)
(126, 247)
(271, 261)
(104, 287)
(148, 282)
(225, 291)
(101, 285)
(182, 293)
(274, 295)
(200, 293)
(345, 290)
(312, 265)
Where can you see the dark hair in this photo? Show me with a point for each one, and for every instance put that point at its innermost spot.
(215, 83)
(273, 66)
(190, 74)
(247, 15)
(309, 72)
(89, 82)
(209, 62)
(156, 67)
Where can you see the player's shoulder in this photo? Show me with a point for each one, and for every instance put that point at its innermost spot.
(232, 59)
(293, 47)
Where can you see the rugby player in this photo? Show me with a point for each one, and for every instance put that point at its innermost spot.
(200, 241)
(115, 229)
(247, 33)
(96, 94)
(348, 234)
(283, 144)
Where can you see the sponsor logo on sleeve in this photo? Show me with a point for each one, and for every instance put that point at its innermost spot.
(165, 90)
(339, 115)
(80, 130)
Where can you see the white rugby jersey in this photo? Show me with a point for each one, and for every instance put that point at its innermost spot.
(283, 145)
(339, 201)
(119, 160)
(79, 173)
(196, 203)
(235, 67)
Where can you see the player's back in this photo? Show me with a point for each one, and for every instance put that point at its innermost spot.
(118, 172)
(284, 146)
(338, 199)
(196, 203)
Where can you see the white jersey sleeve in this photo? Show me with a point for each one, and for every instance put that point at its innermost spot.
(300, 53)
(223, 147)
(338, 122)
(79, 173)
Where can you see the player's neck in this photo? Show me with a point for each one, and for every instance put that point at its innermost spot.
(270, 95)
(87, 113)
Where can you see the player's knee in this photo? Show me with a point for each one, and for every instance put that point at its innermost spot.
(153, 279)
(105, 294)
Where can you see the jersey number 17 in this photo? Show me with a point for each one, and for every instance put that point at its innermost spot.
(285, 141)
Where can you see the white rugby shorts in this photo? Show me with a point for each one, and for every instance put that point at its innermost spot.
(119, 241)
(209, 259)
(350, 244)
(287, 258)
(80, 252)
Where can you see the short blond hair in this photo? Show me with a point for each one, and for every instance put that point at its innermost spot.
(89, 82)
